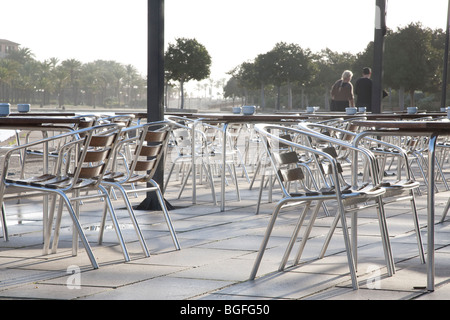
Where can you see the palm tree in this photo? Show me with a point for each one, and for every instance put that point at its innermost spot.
(73, 67)
(61, 76)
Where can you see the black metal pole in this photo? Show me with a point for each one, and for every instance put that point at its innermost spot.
(155, 87)
(445, 71)
(155, 80)
(377, 69)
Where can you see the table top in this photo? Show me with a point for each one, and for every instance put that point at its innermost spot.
(440, 126)
(42, 114)
(230, 117)
(31, 120)
(279, 116)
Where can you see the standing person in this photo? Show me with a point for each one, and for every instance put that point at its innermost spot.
(342, 93)
(363, 90)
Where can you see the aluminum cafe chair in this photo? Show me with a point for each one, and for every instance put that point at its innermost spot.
(399, 186)
(189, 151)
(214, 135)
(346, 197)
(52, 148)
(52, 151)
(285, 157)
(82, 162)
(150, 145)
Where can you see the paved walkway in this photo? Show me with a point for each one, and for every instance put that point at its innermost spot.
(217, 255)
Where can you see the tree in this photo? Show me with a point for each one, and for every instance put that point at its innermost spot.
(289, 64)
(330, 65)
(232, 89)
(187, 60)
(411, 60)
(73, 67)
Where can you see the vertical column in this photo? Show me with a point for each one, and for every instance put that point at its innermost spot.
(377, 69)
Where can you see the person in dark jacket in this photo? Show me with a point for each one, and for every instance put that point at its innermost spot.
(363, 90)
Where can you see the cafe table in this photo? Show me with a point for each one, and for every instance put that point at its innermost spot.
(431, 129)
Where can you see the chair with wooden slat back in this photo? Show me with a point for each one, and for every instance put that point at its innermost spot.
(344, 195)
(399, 186)
(81, 164)
(150, 144)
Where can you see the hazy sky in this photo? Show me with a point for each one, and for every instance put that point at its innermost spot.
(233, 31)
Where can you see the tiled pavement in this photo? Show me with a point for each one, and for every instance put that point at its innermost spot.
(217, 255)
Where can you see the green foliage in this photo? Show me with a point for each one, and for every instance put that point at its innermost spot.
(186, 60)
(413, 59)
(412, 62)
(26, 80)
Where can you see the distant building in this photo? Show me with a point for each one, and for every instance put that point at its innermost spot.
(6, 47)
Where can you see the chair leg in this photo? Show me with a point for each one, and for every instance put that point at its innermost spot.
(133, 219)
(166, 214)
(4, 225)
(57, 226)
(444, 214)
(385, 238)
(329, 235)
(102, 224)
(258, 204)
(307, 233)
(169, 175)
(48, 228)
(185, 181)
(266, 239)
(115, 222)
(234, 176)
(207, 168)
(348, 247)
(79, 230)
(294, 237)
(417, 227)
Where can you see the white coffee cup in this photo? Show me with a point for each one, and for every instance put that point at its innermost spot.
(351, 110)
(412, 110)
(236, 110)
(310, 109)
(362, 109)
(248, 110)
(24, 107)
(4, 109)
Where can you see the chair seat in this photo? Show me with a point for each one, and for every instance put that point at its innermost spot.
(364, 194)
(53, 182)
(112, 176)
(399, 187)
(406, 184)
(118, 177)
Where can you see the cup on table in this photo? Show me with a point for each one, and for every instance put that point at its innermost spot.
(362, 109)
(310, 109)
(236, 110)
(248, 110)
(4, 109)
(412, 110)
(23, 107)
(351, 110)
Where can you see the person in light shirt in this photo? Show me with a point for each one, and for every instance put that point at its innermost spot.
(342, 93)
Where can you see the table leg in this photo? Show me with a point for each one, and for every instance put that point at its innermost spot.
(194, 171)
(224, 157)
(431, 212)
